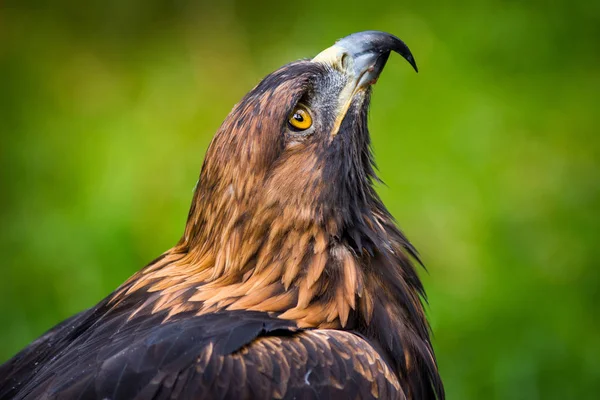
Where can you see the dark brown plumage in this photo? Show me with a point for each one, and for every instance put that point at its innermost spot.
(291, 279)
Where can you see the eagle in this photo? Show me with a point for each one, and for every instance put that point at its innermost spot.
(291, 280)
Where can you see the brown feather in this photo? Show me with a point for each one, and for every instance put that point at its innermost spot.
(316, 267)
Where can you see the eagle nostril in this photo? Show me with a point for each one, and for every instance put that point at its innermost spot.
(344, 60)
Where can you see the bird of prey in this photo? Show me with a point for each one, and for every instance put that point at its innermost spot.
(291, 279)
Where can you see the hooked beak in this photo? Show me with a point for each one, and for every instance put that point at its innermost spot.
(361, 56)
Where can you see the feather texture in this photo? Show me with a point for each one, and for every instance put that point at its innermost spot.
(291, 279)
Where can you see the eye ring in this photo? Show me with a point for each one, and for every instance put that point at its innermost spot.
(300, 118)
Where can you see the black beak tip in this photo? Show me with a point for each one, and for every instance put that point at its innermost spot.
(411, 61)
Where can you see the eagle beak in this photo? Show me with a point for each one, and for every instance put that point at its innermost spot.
(361, 57)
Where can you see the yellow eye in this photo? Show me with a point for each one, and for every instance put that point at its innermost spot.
(300, 118)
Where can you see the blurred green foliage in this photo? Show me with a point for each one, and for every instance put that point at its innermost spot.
(490, 154)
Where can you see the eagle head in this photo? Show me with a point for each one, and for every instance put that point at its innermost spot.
(297, 146)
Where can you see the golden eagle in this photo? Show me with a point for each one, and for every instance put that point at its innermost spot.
(291, 280)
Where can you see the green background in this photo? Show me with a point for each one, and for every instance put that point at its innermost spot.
(490, 155)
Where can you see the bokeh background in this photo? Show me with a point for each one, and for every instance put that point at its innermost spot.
(491, 156)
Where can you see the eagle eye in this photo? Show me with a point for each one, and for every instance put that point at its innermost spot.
(300, 118)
